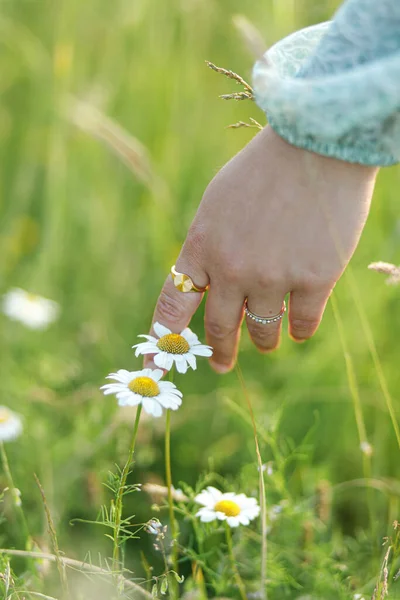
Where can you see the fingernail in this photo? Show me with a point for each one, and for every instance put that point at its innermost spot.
(220, 368)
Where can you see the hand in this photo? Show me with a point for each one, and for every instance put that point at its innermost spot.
(275, 220)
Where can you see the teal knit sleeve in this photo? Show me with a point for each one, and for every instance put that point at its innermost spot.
(334, 88)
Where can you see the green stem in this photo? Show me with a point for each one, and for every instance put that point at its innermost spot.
(120, 494)
(18, 509)
(357, 405)
(235, 570)
(263, 497)
(173, 584)
(168, 476)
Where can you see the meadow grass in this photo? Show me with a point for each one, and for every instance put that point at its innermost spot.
(111, 129)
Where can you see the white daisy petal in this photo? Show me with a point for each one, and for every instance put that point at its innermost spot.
(113, 387)
(145, 348)
(190, 337)
(201, 350)
(157, 374)
(181, 364)
(243, 519)
(122, 376)
(164, 360)
(148, 373)
(169, 401)
(152, 407)
(209, 496)
(233, 521)
(168, 386)
(10, 425)
(229, 496)
(206, 515)
(149, 338)
(161, 330)
(191, 359)
(131, 400)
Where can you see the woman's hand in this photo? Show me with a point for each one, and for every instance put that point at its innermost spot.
(275, 220)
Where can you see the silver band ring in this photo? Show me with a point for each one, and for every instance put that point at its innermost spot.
(264, 320)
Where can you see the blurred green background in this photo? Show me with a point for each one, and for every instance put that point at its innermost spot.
(111, 128)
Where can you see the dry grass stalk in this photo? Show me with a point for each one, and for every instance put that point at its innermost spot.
(387, 269)
(232, 75)
(323, 506)
(53, 538)
(161, 491)
(382, 585)
(93, 121)
(250, 35)
(253, 124)
(79, 566)
(237, 96)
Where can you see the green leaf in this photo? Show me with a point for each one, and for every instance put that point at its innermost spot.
(164, 586)
(154, 591)
(178, 578)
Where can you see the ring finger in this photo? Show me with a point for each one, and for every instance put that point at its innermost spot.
(266, 305)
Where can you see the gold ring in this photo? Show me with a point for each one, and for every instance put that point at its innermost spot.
(184, 283)
(264, 320)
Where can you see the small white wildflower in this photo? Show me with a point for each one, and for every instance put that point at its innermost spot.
(169, 348)
(275, 511)
(266, 467)
(144, 387)
(358, 597)
(235, 509)
(366, 448)
(10, 424)
(33, 311)
(16, 493)
(154, 527)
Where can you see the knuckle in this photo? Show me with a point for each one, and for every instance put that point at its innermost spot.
(267, 279)
(231, 271)
(196, 239)
(218, 330)
(264, 334)
(170, 308)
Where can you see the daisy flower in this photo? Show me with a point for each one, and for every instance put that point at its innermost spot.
(10, 424)
(169, 348)
(144, 387)
(33, 311)
(235, 509)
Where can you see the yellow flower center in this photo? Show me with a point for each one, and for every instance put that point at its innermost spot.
(144, 386)
(173, 343)
(228, 507)
(32, 297)
(4, 416)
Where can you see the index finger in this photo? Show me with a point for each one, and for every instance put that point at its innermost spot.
(174, 308)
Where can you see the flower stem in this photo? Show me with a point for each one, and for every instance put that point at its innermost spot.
(17, 507)
(235, 570)
(120, 494)
(168, 476)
